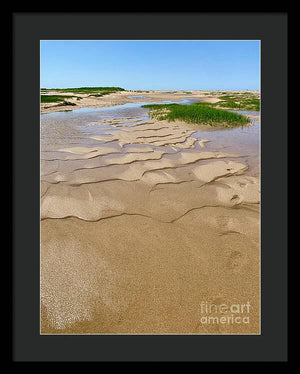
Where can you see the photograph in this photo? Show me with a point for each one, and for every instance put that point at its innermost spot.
(150, 175)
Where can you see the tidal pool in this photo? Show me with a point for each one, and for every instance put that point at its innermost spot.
(79, 126)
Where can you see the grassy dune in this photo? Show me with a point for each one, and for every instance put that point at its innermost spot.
(59, 99)
(239, 101)
(199, 113)
(235, 100)
(56, 98)
(90, 90)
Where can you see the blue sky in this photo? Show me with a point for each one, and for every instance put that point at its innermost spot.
(152, 65)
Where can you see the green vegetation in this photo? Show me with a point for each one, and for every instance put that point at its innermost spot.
(56, 98)
(90, 90)
(236, 100)
(200, 113)
(243, 101)
(60, 99)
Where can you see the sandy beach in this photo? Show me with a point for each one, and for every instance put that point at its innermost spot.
(147, 226)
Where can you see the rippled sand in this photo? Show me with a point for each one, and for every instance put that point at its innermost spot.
(140, 224)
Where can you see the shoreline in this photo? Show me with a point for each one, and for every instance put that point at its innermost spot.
(122, 97)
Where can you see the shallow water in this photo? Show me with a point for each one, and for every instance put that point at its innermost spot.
(75, 128)
(241, 140)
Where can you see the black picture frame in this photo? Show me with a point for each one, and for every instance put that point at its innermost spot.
(28, 30)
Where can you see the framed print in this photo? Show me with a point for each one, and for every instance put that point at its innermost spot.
(150, 164)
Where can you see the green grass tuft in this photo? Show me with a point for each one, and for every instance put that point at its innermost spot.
(199, 113)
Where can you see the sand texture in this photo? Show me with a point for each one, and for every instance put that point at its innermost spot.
(141, 222)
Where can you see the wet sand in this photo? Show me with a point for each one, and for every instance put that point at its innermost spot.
(143, 221)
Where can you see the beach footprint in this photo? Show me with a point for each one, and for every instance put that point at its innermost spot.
(236, 260)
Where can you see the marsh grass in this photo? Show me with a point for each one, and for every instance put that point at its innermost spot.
(59, 99)
(199, 113)
(56, 98)
(90, 90)
(236, 100)
(240, 101)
